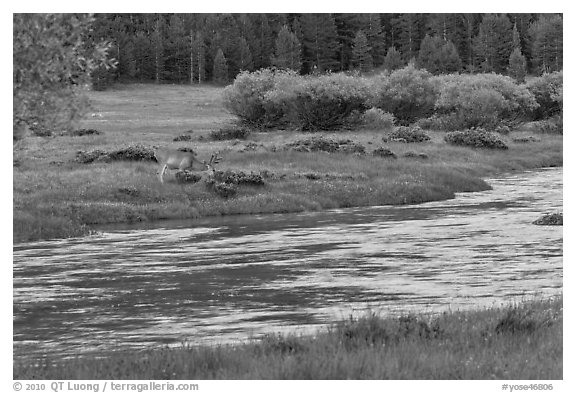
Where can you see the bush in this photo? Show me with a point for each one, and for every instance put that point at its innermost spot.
(475, 138)
(550, 219)
(188, 177)
(248, 99)
(83, 132)
(183, 138)
(409, 134)
(553, 125)
(547, 90)
(231, 132)
(237, 178)
(133, 153)
(87, 157)
(481, 100)
(384, 152)
(322, 102)
(408, 93)
(327, 145)
(225, 190)
(376, 118)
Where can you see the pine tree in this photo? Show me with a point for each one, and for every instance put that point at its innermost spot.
(158, 51)
(409, 32)
(450, 59)
(320, 42)
(493, 44)
(546, 33)
(288, 50)
(393, 59)
(361, 57)
(263, 45)
(246, 62)
(220, 72)
(376, 37)
(198, 57)
(517, 65)
(429, 56)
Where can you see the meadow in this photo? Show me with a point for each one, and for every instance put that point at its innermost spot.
(56, 195)
(508, 342)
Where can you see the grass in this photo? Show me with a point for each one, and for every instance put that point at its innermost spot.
(56, 196)
(516, 341)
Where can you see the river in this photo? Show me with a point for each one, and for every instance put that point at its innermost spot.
(226, 279)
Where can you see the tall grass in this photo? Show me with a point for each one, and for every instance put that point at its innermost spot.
(516, 341)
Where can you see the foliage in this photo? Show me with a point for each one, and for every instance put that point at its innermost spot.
(377, 118)
(136, 152)
(248, 97)
(547, 90)
(383, 152)
(188, 177)
(328, 145)
(408, 93)
(51, 69)
(361, 57)
(288, 51)
(550, 219)
(517, 65)
(438, 56)
(409, 134)
(320, 42)
(323, 102)
(477, 137)
(393, 60)
(480, 100)
(547, 43)
(493, 44)
(238, 178)
(220, 68)
(230, 132)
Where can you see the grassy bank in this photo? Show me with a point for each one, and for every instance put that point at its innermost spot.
(521, 341)
(56, 196)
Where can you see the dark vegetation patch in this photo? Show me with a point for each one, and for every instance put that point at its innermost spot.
(328, 145)
(525, 139)
(384, 152)
(413, 154)
(83, 132)
(408, 134)
(230, 132)
(183, 138)
(188, 177)
(131, 153)
(550, 219)
(131, 191)
(187, 150)
(524, 320)
(475, 137)
(224, 190)
(238, 178)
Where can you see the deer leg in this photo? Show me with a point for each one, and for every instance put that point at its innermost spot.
(162, 173)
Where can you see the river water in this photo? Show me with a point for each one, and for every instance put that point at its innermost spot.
(224, 280)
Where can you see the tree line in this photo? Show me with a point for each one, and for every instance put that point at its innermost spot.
(184, 48)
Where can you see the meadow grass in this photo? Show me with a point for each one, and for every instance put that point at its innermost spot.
(56, 196)
(515, 341)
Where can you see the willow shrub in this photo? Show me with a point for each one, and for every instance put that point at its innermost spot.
(248, 96)
(547, 90)
(481, 100)
(323, 102)
(408, 93)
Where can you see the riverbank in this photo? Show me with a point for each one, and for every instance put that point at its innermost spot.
(518, 341)
(57, 196)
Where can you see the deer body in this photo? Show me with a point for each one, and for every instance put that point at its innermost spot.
(181, 160)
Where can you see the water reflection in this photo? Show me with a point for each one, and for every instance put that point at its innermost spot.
(226, 279)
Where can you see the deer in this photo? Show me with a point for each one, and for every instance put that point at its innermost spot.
(183, 160)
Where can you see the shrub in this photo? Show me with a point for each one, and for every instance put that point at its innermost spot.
(237, 178)
(547, 90)
(550, 219)
(87, 157)
(183, 138)
(322, 102)
(409, 134)
(384, 152)
(225, 190)
(475, 138)
(188, 177)
(408, 93)
(327, 145)
(230, 132)
(480, 100)
(133, 153)
(248, 99)
(83, 132)
(376, 118)
(553, 125)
